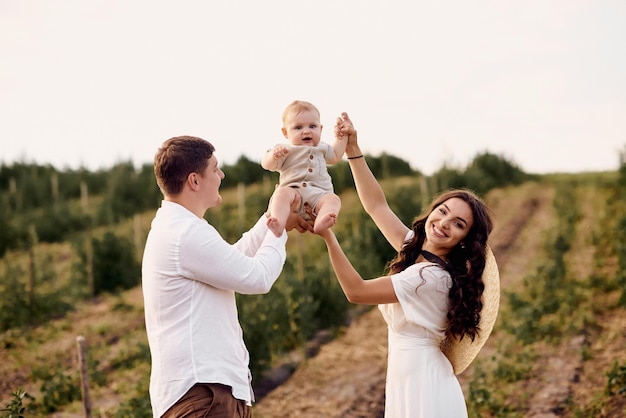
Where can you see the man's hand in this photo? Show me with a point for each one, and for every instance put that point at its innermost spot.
(297, 222)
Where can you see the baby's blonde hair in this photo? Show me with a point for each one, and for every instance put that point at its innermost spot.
(298, 106)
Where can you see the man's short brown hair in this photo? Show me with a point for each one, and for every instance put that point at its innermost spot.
(177, 158)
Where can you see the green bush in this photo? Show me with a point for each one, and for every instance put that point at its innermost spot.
(59, 387)
(16, 408)
(139, 407)
(57, 223)
(15, 308)
(616, 380)
(115, 266)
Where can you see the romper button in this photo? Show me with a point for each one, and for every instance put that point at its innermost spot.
(310, 157)
(303, 184)
(310, 170)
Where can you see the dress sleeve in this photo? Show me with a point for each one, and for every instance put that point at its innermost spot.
(422, 290)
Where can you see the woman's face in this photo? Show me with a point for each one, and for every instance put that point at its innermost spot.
(447, 225)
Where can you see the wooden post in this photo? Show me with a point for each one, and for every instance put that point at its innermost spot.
(300, 256)
(84, 380)
(17, 196)
(425, 193)
(32, 266)
(84, 196)
(54, 186)
(89, 262)
(138, 236)
(241, 203)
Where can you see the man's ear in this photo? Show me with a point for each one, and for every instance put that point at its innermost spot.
(192, 180)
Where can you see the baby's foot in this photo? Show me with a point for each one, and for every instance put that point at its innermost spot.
(274, 225)
(324, 222)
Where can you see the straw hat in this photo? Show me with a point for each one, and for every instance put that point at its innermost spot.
(461, 353)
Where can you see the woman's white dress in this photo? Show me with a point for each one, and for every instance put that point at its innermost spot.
(420, 379)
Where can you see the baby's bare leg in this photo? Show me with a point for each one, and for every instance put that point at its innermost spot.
(280, 208)
(327, 211)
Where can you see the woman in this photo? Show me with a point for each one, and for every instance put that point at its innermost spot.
(433, 288)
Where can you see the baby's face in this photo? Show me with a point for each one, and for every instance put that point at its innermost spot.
(303, 128)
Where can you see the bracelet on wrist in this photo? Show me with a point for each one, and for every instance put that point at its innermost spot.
(354, 158)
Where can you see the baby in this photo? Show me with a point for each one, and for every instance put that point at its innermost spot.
(302, 165)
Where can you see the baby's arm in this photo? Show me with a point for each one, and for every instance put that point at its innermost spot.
(272, 156)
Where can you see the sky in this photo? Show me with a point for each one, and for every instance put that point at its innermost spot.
(88, 84)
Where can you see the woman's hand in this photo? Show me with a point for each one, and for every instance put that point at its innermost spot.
(344, 127)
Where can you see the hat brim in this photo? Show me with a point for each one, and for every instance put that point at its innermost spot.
(461, 352)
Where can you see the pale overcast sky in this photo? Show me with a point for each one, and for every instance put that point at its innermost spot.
(92, 83)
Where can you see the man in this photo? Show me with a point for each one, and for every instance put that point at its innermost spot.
(189, 279)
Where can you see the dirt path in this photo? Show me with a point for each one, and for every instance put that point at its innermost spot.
(347, 370)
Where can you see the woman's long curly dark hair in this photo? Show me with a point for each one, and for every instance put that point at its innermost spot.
(465, 264)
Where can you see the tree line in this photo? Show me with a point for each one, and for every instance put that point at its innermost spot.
(54, 204)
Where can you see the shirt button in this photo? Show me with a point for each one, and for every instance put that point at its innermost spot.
(310, 170)
(303, 184)
(310, 157)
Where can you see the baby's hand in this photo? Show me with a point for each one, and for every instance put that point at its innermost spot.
(280, 152)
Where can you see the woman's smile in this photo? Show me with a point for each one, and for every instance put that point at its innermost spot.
(438, 232)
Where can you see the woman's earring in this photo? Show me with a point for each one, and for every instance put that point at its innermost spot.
(462, 246)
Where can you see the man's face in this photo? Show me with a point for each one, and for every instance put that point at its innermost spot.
(210, 181)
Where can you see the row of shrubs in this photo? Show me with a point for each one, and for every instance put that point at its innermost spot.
(305, 299)
(555, 305)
